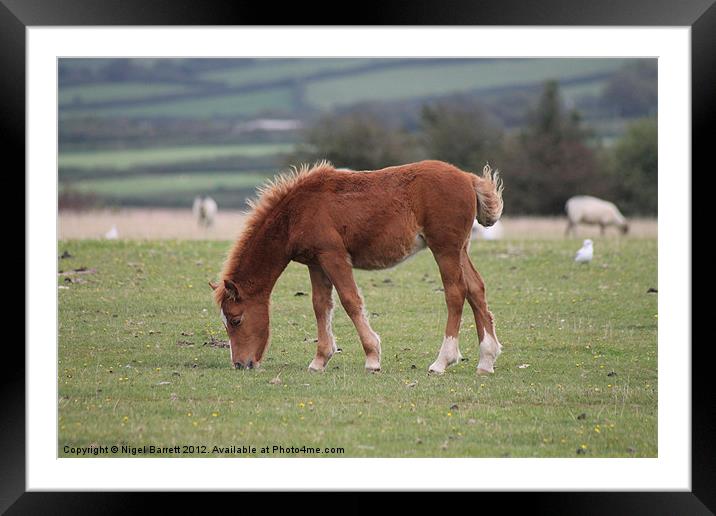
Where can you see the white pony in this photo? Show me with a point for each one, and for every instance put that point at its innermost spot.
(584, 209)
(204, 210)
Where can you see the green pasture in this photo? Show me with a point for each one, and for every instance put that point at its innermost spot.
(357, 82)
(260, 101)
(281, 69)
(166, 184)
(138, 364)
(112, 91)
(127, 158)
(446, 78)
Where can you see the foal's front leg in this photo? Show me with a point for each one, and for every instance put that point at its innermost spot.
(340, 272)
(322, 293)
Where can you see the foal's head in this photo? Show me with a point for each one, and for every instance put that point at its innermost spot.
(247, 323)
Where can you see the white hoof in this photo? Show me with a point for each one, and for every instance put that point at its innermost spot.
(486, 364)
(490, 349)
(316, 366)
(372, 366)
(449, 355)
(436, 368)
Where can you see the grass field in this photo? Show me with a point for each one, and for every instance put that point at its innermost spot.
(278, 69)
(447, 78)
(127, 158)
(324, 83)
(191, 182)
(174, 189)
(577, 377)
(248, 104)
(171, 176)
(116, 91)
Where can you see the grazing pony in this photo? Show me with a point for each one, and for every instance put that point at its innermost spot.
(336, 220)
(204, 210)
(585, 209)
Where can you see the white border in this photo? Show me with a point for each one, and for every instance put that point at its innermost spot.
(671, 470)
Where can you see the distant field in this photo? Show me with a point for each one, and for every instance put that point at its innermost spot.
(419, 81)
(577, 377)
(244, 104)
(127, 158)
(297, 82)
(166, 177)
(203, 103)
(116, 91)
(157, 185)
(276, 69)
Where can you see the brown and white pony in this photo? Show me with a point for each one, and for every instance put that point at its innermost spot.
(336, 220)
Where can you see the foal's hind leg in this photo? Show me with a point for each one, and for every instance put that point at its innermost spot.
(322, 293)
(490, 347)
(340, 273)
(455, 291)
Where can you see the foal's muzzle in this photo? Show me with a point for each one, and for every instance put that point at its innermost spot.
(239, 365)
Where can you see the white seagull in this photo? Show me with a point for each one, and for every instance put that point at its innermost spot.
(585, 254)
(112, 234)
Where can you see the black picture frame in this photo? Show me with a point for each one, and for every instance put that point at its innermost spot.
(700, 15)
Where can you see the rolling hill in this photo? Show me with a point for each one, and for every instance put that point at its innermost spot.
(126, 122)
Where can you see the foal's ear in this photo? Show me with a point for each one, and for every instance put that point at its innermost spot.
(213, 285)
(232, 290)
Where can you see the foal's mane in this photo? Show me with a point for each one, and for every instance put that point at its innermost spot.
(270, 195)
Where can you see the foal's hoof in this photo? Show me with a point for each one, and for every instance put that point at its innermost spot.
(372, 364)
(315, 367)
(484, 372)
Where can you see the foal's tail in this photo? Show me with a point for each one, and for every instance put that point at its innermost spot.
(489, 196)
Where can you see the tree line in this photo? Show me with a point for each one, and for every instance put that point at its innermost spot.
(551, 157)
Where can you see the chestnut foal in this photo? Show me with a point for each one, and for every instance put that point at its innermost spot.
(336, 220)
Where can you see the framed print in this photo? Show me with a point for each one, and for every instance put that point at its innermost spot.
(147, 131)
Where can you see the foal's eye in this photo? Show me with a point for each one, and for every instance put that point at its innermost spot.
(236, 322)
